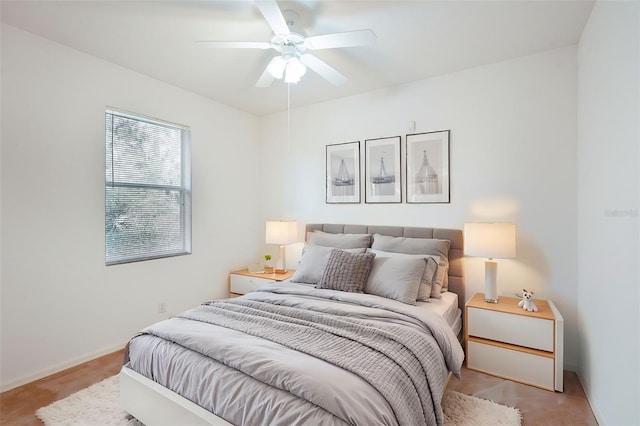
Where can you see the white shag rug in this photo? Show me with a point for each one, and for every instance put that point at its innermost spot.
(99, 405)
(464, 410)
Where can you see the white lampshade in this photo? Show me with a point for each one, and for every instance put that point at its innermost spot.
(491, 240)
(281, 232)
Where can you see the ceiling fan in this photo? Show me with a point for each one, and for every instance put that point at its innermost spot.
(293, 46)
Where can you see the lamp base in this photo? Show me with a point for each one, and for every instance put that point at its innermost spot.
(490, 282)
(281, 266)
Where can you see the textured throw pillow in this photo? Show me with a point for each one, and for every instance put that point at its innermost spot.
(429, 275)
(313, 263)
(345, 241)
(346, 271)
(396, 277)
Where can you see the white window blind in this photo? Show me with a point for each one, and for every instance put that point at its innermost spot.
(147, 189)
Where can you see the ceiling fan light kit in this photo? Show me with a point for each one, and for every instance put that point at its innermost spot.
(291, 43)
(294, 71)
(287, 65)
(276, 67)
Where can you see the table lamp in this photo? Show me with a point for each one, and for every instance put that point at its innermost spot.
(282, 233)
(493, 241)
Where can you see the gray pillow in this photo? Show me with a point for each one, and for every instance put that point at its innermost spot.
(345, 241)
(396, 277)
(346, 271)
(438, 279)
(408, 245)
(430, 274)
(313, 262)
(445, 282)
(428, 277)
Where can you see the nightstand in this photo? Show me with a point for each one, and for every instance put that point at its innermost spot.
(242, 281)
(504, 340)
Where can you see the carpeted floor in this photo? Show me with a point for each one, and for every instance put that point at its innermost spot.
(99, 404)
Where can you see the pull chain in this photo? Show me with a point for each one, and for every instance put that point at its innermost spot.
(288, 117)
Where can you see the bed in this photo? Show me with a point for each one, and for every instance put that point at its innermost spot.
(312, 352)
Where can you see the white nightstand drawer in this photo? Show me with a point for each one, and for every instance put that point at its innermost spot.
(530, 332)
(242, 284)
(512, 364)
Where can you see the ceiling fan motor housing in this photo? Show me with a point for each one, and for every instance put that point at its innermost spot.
(296, 35)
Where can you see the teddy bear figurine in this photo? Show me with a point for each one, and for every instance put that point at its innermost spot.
(527, 301)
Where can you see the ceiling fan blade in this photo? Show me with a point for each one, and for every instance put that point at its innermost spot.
(266, 78)
(346, 39)
(235, 44)
(273, 16)
(323, 69)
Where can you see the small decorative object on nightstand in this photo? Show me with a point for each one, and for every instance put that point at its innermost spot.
(527, 302)
(267, 264)
(242, 281)
(256, 268)
(506, 341)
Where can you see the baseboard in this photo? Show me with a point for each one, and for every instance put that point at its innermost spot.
(595, 412)
(61, 367)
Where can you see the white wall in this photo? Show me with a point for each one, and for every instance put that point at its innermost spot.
(608, 194)
(513, 158)
(60, 304)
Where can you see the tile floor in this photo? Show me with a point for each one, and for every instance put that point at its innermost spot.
(539, 407)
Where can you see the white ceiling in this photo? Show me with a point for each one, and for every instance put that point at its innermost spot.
(415, 40)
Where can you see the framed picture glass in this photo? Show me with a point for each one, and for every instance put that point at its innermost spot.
(428, 167)
(382, 170)
(343, 173)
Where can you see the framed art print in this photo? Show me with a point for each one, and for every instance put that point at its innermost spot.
(428, 167)
(343, 173)
(382, 170)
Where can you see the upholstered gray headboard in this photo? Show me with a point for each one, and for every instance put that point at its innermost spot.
(456, 250)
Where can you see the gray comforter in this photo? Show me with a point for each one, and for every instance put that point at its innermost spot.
(291, 354)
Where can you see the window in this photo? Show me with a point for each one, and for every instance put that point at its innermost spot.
(147, 190)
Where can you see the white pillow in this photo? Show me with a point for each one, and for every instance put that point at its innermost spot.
(429, 278)
(396, 277)
(313, 263)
